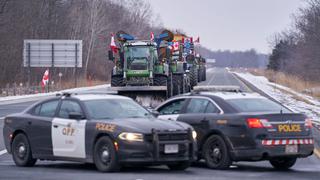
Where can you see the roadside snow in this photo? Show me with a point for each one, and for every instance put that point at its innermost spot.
(309, 105)
(33, 96)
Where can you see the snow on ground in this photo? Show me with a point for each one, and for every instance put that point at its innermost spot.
(33, 96)
(286, 96)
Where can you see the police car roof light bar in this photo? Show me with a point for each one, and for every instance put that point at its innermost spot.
(216, 89)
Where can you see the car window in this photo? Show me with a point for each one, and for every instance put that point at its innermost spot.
(211, 108)
(172, 107)
(115, 108)
(67, 107)
(257, 105)
(197, 105)
(36, 110)
(48, 109)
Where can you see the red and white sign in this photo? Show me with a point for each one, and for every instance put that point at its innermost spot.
(45, 78)
(151, 36)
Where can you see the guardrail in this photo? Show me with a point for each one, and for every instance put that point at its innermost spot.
(15, 89)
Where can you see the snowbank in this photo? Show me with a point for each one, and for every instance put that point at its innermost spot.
(36, 96)
(285, 95)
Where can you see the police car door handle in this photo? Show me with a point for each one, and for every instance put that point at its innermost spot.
(55, 126)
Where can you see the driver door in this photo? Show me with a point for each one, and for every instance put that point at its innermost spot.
(68, 135)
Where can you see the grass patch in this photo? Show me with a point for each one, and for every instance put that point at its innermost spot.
(294, 82)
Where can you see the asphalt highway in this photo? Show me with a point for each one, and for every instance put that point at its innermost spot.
(308, 168)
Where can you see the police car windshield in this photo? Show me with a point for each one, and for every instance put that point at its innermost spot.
(257, 105)
(115, 108)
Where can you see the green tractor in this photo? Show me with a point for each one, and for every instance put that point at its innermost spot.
(202, 68)
(140, 72)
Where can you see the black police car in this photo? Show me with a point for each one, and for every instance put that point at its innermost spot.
(236, 126)
(107, 130)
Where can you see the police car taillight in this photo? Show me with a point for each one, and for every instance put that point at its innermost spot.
(258, 123)
(308, 123)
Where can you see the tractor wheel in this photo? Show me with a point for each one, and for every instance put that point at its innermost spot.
(117, 80)
(160, 81)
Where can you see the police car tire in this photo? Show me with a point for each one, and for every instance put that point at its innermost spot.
(225, 160)
(179, 166)
(113, 165)
(283, 163)
(25, 159)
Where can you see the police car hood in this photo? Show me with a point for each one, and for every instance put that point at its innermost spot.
(145, 125)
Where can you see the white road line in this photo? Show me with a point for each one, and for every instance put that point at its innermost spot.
(3, 152)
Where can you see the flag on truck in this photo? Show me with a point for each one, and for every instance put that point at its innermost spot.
(45, 80)
(113, 45)
(197, 40)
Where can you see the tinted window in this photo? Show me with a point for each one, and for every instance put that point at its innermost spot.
(257, 105)
(172, 107)
(211, 108)
(68, 107)
(197, 106)
(36, 110)
(115, 108)
(48, 109)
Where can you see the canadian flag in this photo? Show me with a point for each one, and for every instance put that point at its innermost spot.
(197, 40)
(45, 78)
(113, 45)
(151, 36)
(175, 46)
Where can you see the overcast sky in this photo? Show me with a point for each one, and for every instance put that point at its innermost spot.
(228, 24)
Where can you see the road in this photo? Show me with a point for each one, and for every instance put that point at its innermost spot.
(308, 168)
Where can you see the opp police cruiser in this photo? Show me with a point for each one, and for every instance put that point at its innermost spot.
(108, 130)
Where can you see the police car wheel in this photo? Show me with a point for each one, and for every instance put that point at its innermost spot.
(215, 153)
(180, 166)
(105, 156)
(21, 151)
(283, 163)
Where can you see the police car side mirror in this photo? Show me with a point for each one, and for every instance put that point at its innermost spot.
(76, 116)
(155, 113)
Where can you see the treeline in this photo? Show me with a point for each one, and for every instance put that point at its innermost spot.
(235, 59)
(297, 50)
(89, 20)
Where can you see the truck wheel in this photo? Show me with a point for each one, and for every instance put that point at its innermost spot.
(283, 163)
(193, 77)
(160, 81)
(179, 166)
(21, 151)
(104, 155)
(215, 153)
(176, 85)
(117, 80)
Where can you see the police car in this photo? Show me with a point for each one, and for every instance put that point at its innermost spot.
(108, 130)
(238, 126)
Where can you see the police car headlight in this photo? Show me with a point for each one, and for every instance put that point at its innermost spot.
(131, 136)
(194, 135)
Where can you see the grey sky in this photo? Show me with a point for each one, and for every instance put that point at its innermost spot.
(228, 24)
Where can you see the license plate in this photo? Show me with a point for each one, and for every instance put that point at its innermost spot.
(292, 149)
(171, 148)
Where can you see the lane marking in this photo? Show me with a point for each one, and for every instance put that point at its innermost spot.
(3, 152)
(212, 77)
